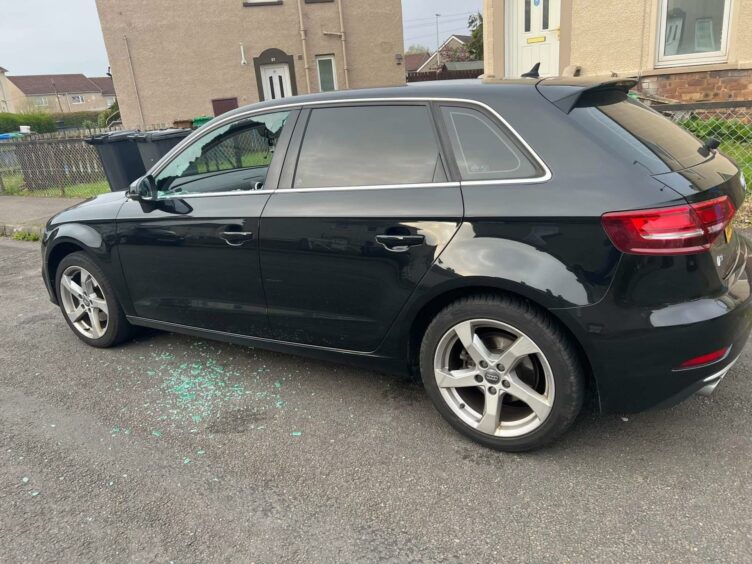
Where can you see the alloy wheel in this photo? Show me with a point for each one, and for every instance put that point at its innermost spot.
(84, 302)
(494, 378)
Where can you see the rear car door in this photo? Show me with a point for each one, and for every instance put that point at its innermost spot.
(191, 257)
(363, 210)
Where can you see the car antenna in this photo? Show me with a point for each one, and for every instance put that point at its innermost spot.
(533, 72)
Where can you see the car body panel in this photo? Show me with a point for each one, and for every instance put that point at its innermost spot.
(325, 288)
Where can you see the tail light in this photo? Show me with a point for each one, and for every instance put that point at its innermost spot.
(677, 230)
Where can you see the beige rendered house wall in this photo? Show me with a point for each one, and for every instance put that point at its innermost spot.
(171, 59)
(623, 39)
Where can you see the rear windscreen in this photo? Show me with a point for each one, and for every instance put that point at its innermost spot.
(638, 132)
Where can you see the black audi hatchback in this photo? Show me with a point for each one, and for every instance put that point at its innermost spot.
(522, 245)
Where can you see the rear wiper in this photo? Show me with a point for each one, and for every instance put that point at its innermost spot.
(710, 145)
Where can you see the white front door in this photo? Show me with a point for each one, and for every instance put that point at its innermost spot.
(532, 36)
(275, 80)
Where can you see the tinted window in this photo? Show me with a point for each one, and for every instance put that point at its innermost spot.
(639, 133)
(368, 145)
(233, 157)
(483, 150)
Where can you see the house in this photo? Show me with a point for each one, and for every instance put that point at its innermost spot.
(107, 87)
(684, 50)
(54, 93)
(413, 61)
(453, 42)
(174, 61)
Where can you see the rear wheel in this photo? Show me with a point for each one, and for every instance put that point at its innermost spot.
(501, 372)
(88, 302)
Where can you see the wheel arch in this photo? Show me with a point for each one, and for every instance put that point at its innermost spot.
(65, 240)
(429, 308)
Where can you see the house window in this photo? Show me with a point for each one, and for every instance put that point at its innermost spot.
(41, 101)
(77, 99)
(327, 73)
(692, 32)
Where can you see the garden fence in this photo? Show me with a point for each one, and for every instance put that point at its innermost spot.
(728, 122)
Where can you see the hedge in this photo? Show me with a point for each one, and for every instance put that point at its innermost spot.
(75, 120)
(40, 123)
(723, 129)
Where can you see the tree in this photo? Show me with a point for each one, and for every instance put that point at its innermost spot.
(416, 48)
(455, 54)
(475, 45)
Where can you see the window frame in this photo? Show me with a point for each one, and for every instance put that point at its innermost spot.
(689, 59)
(275, 166)
(293, 135)
(80, 97)
(41, 101)
(331, 58)
(293, 156)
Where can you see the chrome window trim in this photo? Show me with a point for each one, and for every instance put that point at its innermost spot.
(326, 189)
(175, 151)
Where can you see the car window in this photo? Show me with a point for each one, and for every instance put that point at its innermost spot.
(367, 146)
(235, 156)
(645, 131)
(483, 150)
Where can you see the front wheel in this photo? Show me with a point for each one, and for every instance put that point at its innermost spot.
(88, 302)
(501, 372)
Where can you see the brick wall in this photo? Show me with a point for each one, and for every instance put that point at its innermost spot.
(707, 86)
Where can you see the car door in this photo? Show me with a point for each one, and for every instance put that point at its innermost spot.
(191, 256)
(363, 210)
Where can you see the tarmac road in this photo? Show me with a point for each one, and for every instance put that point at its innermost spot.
(174, 449)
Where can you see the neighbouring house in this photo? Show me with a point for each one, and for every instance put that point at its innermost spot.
(54, 93)
(684, 50)
(173, 61)
(413, 61)
(454, 43)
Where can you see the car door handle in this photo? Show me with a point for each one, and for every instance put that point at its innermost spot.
(236, 238)
(400, 243)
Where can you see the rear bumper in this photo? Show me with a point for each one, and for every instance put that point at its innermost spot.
(634, 351)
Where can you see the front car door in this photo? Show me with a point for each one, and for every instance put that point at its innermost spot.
(191, 257)
(363, 211)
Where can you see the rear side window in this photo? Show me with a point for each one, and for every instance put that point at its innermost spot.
(368, 146)
(483, 150)
(634, 130)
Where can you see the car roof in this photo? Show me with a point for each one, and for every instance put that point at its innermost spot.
(466, 88)
(460, 89)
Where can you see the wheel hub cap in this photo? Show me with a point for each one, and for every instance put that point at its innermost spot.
(493, 377)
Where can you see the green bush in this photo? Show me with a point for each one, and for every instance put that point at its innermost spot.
(40, 123)
(75, 119)
(724, 130)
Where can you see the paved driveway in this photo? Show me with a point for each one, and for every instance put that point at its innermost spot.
(176, 449)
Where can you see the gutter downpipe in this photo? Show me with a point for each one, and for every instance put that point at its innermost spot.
(133, 78)
(305, 48)
(344, 45)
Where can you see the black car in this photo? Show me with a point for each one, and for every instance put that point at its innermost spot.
(521, 244)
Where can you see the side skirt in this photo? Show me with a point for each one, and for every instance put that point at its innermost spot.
(371, 361)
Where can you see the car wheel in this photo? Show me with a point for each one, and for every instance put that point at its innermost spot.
(502, 372)
(88, 302)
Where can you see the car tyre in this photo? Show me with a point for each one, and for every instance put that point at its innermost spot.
(502, 372)
(88, 302)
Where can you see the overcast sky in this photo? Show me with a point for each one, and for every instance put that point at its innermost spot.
(52, 36)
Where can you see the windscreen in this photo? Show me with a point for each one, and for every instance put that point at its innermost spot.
(642, 134)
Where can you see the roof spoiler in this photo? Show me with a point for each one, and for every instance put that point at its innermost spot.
(565, 93)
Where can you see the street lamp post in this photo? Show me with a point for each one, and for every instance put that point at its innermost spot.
(438, 51)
